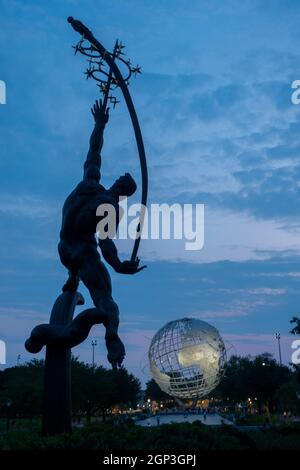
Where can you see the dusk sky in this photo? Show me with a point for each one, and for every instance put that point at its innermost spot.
(220, 129)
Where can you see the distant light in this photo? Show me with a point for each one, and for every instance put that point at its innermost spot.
(263, 363)
(148, 400)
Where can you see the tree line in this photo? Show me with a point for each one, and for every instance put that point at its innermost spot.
(95, 390)
(260, 379)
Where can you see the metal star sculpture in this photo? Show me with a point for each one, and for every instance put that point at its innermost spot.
(101, 72)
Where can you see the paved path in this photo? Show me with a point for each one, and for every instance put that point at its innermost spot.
(211, 419)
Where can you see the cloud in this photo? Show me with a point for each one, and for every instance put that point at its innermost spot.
(253, 344)
(219, 129)
(24, 205)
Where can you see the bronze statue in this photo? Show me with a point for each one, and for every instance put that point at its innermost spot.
(78, 246)
(79, 254)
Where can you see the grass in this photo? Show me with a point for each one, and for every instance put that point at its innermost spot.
(183, 436)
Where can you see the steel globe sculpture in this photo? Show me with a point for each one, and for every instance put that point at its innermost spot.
(187, 358)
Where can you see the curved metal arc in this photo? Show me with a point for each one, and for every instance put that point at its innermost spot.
(89, 54)
(103, 72)
(79, 27)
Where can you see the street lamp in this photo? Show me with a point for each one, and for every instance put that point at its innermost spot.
(277, 336)
(94, 343)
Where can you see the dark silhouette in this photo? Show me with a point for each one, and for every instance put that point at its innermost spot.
(78, 248)
(78, 253)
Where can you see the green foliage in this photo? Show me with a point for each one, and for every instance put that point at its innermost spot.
(278, 438)
(127, 386)
(260, 377)
(286, 397)
(296, 329)
(23, 387)
(167, 437)
(255, 420)
(155, 393)
(93, 389)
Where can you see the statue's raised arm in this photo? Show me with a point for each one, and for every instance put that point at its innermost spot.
(92, 165)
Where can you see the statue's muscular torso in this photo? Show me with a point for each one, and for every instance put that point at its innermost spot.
(79, 218)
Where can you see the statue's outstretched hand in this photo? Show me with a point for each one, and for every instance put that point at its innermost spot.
(131, 267)
(101, 115)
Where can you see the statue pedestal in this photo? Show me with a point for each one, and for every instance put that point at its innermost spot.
(57, 408)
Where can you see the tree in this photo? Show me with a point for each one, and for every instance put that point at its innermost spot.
(128, 387)
(286, 398)
(259, 378)
(104, 392)
(22, 386)
(296, 329)
(267, 377)
(233, 384)
(98, 389)
(154, 392)
(93, 389)
(81, 377)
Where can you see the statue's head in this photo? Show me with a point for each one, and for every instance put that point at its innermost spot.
(124, 186)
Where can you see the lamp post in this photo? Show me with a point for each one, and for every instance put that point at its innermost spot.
(277, 336)
(94, 343)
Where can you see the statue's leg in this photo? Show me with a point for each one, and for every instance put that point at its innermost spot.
(64, 336)
(114, 345)
(75, 332)
(78, 330)
(65, 254)
(95, 276)
(72, 283)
